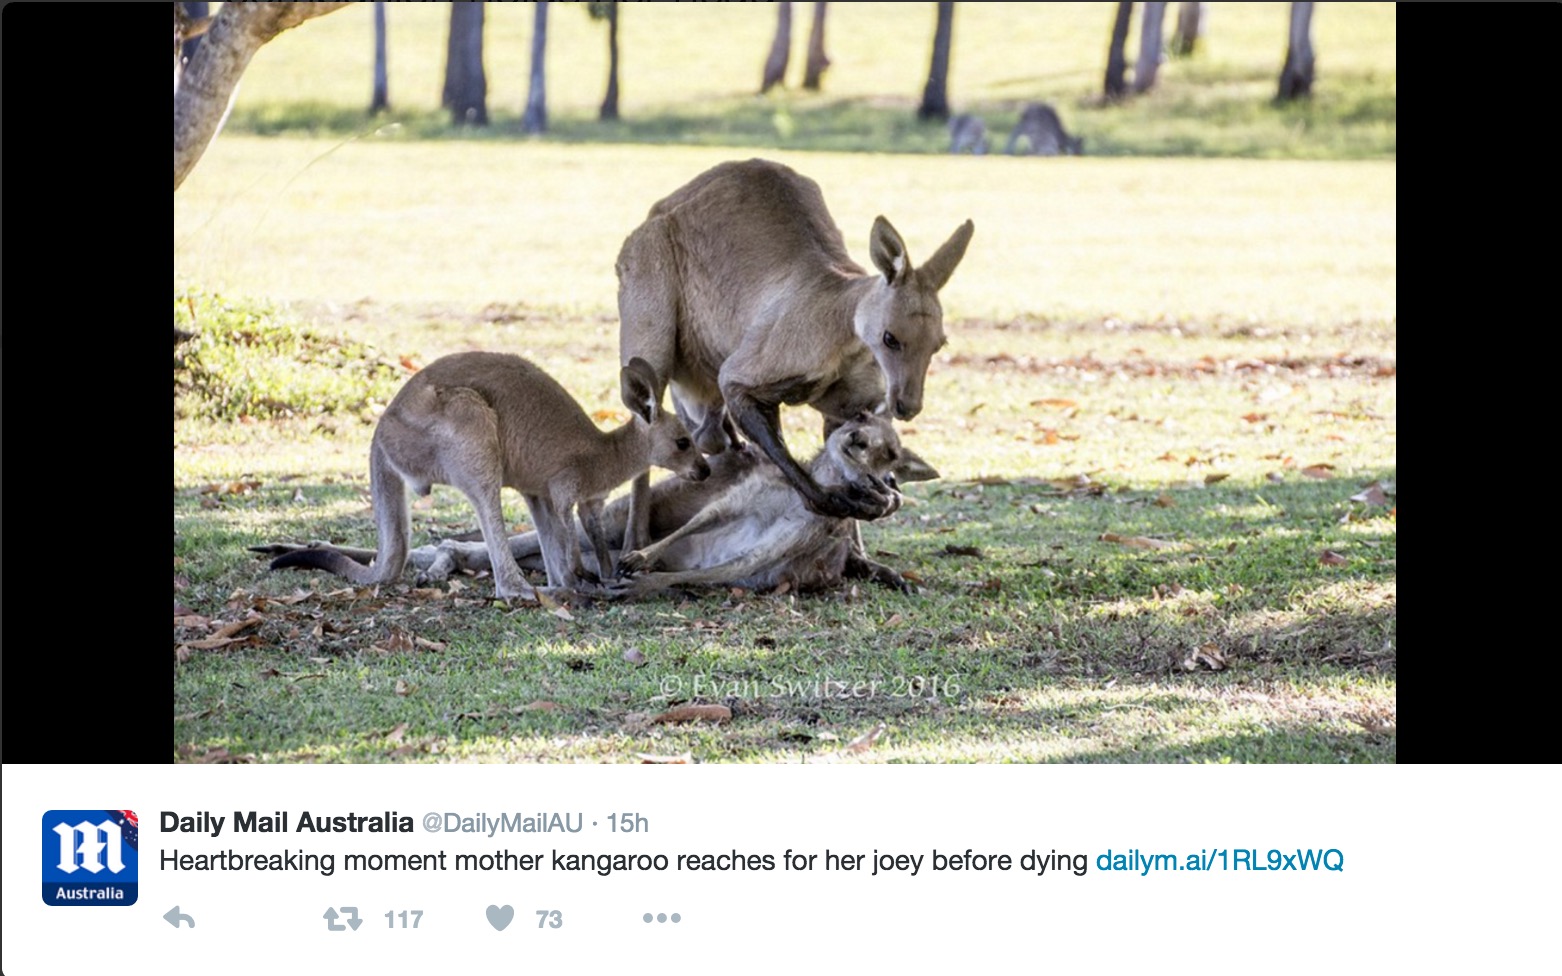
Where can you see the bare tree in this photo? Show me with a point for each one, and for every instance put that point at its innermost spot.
(608, 11)
(935, 95)
(1116, 85)
(380, 100)
(780, 49)
(818, 61)
(466, 85)
(1190, 27)
(1149, 46)
(536, 117)
(209, 81)
(1296, 78)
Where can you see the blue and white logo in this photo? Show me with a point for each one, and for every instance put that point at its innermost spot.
(90, 857)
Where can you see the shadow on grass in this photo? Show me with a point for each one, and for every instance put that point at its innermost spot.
(1044, 644)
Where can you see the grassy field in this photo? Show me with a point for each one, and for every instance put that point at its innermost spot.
(689, 73)
(1170, 387)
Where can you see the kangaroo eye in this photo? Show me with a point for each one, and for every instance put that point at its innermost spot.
(684, 443)
(891, 343)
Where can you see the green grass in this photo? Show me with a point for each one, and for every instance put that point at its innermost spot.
(1122, 336)
(690, 71)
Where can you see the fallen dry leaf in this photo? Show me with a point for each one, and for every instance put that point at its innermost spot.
(536, 706)
(648, 758)
(228, 630)
(402, 688)
(429, 644)
(694, 713)
(954, 550)
(609, 415)
(1139, 541)
(865, 741)
(1164, 500)
(635, 656)
(1213, 477)
(395, 735)
(399, 641)
(1373, 494)
(1205, 655)
(1054, 402)
(1255, 418)
(1377, 725)
(211, 643)
(1322, 472)
(409, 364)
(1331, 558)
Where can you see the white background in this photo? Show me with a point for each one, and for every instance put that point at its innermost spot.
(1445, 869)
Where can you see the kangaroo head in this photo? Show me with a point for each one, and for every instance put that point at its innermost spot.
(900, 319)
(671, 447)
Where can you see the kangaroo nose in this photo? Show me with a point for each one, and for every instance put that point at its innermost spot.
(702, 472)
(905, 411)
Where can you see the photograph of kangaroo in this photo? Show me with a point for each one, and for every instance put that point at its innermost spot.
(543, 369)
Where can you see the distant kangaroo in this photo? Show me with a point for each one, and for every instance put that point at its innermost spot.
(968, 133)
(738, 288)
(1040, 126)
(481, 421)
(749, 526)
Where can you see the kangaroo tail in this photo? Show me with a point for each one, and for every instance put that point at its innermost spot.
(330, 560)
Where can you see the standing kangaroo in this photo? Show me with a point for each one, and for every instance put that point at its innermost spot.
(739, 290)
(481, 421)
(1040, 126)
(968, 133)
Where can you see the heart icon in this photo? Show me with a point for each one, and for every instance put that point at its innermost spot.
(500, 917)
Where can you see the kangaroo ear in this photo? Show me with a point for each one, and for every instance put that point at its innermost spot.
(911, 468)
(942, 264)
(641, 390)
(888, 252)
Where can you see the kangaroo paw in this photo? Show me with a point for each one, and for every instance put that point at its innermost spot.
(631, 562)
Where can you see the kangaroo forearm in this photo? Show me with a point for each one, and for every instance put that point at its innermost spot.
(762, 423)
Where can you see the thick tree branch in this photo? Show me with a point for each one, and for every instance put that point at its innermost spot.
(212, 76)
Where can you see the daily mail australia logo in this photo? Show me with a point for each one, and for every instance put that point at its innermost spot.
(90, 857)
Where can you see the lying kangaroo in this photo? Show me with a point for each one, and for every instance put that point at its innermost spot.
(968, 133)
(758, 533)
(481, 421)
(739, 290)
(1040, 126)
(743, 480)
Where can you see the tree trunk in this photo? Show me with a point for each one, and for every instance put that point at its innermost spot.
(1149, 46)
(780, 49)
(536, 117)
(195, 11)
(1190, 26)
(380, 101)
(466, 86)
(209, 81)
(609, 112)
(935, 96)
(818, 61)
(1116, 63)
(1296, 78)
